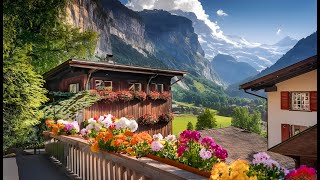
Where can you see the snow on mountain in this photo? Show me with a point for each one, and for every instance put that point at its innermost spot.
(256, 54)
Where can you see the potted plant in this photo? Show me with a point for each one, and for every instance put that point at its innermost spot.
(148, 119)
(154, 95)
(125, 95)
(166, 118)
(165, 95)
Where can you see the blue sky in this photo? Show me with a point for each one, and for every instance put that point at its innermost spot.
(260, 20)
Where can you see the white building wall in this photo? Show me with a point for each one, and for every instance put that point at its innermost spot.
(277, 116)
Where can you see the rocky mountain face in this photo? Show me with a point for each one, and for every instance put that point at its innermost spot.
(258, 55)
(230, 70)
(175, 43)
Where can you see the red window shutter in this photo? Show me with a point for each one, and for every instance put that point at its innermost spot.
(285, 132)
(313, 101)
(285, 100)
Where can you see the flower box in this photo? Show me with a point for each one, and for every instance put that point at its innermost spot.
(180, 165)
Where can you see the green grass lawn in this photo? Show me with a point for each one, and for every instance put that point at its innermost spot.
(180, 122)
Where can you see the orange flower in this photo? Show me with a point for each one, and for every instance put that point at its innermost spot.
(108, 136)
(128, 133)
(130, 151)
(95, 147)
(120, 139)
(49, 122)
(55, 131)
(60, 126)
(141, 137)
(100, 135)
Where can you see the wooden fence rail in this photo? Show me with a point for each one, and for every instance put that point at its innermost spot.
(75, 154)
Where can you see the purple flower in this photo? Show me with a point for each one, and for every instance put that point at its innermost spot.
(156, 146)
(204, 154)
(181, 150)
(83, 131)
(209, 143)
(260, 158)
(221, 153)
(68, 126)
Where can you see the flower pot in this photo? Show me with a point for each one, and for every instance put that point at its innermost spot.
(180, 165)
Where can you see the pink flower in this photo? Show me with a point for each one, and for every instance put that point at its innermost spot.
(190, 135)
(260, 157)
(303, 172)
(204, 154)
(181, 150)
(156, 146)
(221, 153)
(83, 131)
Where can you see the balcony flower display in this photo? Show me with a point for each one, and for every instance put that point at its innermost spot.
(303, 172)
(154, 95)
(166, 117)
(148, 119)
(164, 147)
(142, 96)
(263, 166)
(109, 96)
(125, 96)
(237, 170)
(140, 144)
(63, 127)
(165, 95)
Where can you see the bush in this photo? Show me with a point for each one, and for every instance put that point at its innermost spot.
(206, 120)
(189, 126)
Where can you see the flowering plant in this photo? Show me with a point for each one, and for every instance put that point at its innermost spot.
(125, 95)
(109, 96)
(114, 136)
(201, 155)
(140, 95)
(63, 127)
(266, 168)
(165, 95)
(148, 119)
(237, 170)
(140, 144)
(164, 147)
(303, 172)
(166, 117)
(154, 95)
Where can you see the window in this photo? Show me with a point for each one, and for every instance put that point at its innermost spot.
(134, 86)
(74, 88)
(300, 101)
(287, 130)
(160, 88)
(156, 87)
(107, 85)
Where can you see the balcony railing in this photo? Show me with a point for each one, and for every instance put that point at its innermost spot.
(74, 153)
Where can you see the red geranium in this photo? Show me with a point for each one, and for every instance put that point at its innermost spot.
(125, 95)
(140, 95)
(165, 95)
(154, 95)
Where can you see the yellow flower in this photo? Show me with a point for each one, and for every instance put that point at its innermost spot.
(220, 171)
(95, 147)
(236, 171)
(116, 120)
(103, 130)
(163, 142)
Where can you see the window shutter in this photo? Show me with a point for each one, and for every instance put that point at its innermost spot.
(313, 101)
(285, 100)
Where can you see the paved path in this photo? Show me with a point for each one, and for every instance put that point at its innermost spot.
(10, 169)
(38, 167)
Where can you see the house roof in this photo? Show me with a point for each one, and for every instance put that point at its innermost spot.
(242, 144)
(302, 144)
(286, 73)
(95, 65)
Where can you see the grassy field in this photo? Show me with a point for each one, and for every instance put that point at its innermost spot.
(180, 122)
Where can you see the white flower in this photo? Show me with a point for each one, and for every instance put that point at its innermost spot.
(133, 126)
(61, 121)
(89, 127)
(76, 126)
(158, 137)
(106, 122)
(101, 118)
(97, 127)
(171, 138)
(91, 120)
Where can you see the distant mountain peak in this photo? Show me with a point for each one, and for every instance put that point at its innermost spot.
(224, 57)
(286, 41)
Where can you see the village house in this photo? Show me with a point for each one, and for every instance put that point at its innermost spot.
(78, 75)
(292, 109)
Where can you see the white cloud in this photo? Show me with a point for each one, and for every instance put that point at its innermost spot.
(279, 31)
(220, 12)
(184, 5)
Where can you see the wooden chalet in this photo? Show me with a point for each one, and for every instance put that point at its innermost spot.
(78, 75)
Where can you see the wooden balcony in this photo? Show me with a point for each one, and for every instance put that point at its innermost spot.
(74, 153)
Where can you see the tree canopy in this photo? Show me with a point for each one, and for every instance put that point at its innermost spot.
(206, 120)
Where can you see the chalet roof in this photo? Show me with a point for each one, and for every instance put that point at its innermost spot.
(242, 144)
(95, 65)
(302, 144)
(283, 74)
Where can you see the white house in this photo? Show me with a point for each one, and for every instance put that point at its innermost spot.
(291, 98)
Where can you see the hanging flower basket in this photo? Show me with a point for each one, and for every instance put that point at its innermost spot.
(165, 95)
(166, 118)
(148, 119)
(142, 96)
(125, 95)
(180, 165)
(154, 95)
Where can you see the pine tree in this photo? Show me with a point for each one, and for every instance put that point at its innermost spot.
(190, 126)
(206, 120)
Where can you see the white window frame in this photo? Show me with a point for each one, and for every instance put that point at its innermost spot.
(99, 82)
(74, 88)
(300, 101)
(161, 88)
(132, 86)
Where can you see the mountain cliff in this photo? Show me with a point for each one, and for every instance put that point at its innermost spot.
(230, 70)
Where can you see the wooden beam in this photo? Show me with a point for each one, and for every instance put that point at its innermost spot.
(271, 89)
